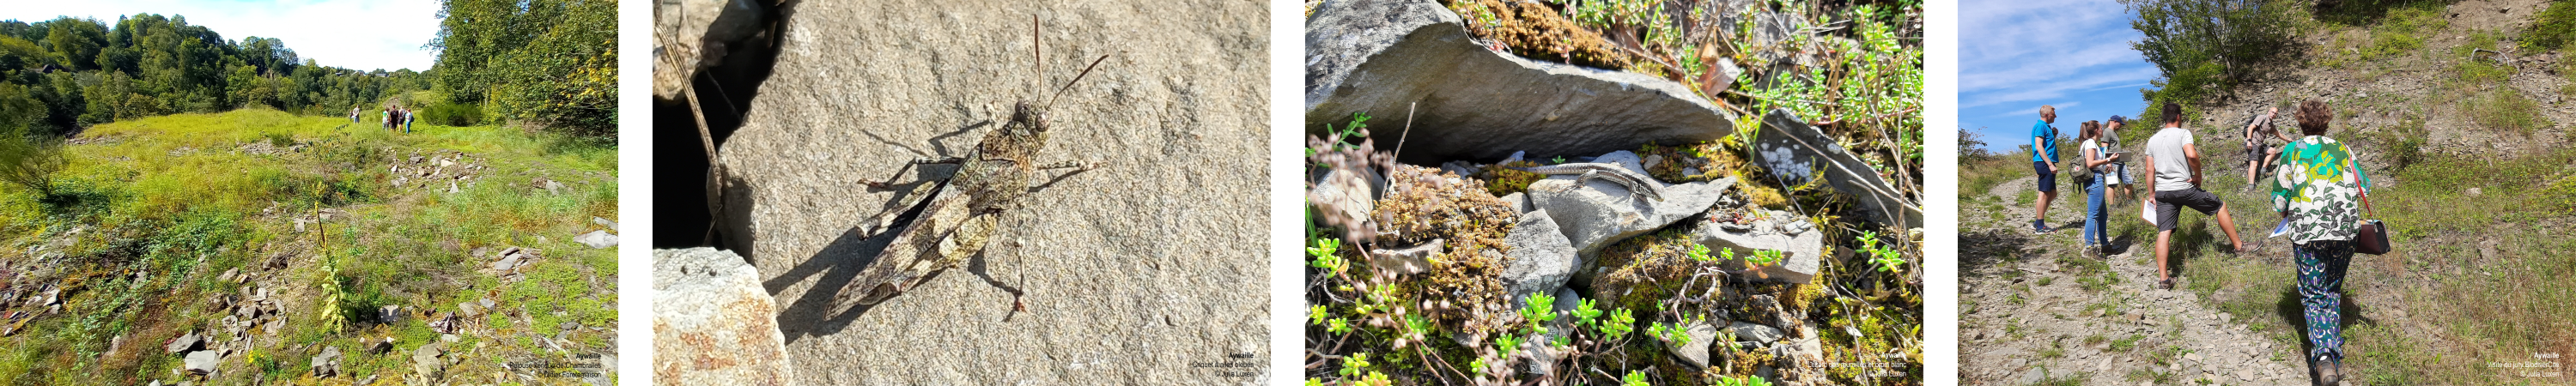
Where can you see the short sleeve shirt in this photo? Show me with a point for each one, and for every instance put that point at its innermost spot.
(2047, 141)
(2090, 150)
(2319, 184)
(2173, 170)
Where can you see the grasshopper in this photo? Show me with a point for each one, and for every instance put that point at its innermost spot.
(961, 213)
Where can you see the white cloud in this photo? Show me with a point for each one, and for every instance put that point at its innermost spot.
(2032, 50)
(2059, 88)
(2033, 110)
(364, 35)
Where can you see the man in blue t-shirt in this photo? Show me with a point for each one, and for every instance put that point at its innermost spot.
(2043, 161)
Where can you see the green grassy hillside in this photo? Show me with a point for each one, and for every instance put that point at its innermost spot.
(154, 215)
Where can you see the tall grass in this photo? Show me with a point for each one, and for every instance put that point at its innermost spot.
(181, 198)
(2442, 307)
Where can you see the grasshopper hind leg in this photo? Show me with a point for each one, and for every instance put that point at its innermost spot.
(898, 171)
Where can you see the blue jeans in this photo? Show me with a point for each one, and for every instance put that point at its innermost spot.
(2095, 219)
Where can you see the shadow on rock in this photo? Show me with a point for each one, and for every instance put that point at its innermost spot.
(838, 264)
(1989, 247)
(725, 91)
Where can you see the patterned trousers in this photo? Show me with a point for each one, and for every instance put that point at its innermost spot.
(2321, 266)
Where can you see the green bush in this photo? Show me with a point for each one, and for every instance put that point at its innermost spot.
(2557, 26)
(2505, 110)
(2481, 74)
(2232, 41)
(549, 63)
(2403, 32)
(28, 158)
(2404, 143)
(452, 114)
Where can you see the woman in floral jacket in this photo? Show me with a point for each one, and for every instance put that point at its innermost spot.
(2320, 191)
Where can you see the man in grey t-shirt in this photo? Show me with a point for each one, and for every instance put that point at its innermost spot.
(2177, 181)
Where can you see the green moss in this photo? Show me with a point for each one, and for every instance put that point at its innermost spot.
(1426, 205)
(1501, 180)
(1533, 30)
(1646, 269)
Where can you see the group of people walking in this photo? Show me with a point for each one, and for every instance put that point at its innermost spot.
(394, 118)
(2316, 185)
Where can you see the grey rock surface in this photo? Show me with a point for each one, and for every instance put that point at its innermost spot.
(202, 362)
(2036, 374)
(1756, 333)
(1541, 258)
(1788, 143)
(1520, 202)
(1623, 158)
(327, 363)
(1695, 351)
(596, 239)
(1132, 272)
(689, 33)
(713, 322)
(425, 362)
(1385, 56)
(1802, 246)
(185, 343)
(1596, 213)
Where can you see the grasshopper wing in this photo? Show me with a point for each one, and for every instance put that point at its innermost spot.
(946, 233)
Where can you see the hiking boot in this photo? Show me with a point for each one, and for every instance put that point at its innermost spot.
(2327, 371)
(2039, 226)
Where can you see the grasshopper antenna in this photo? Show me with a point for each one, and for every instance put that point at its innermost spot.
(1037, 50)
(1068, 85)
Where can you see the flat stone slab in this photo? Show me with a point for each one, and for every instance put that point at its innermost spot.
(1791, 147)
(714, 322)
(1388, 58)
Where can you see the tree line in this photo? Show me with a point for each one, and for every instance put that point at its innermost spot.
(548, 64)
(82, 72)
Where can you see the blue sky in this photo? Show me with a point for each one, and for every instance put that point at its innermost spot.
(363, 35)
(2015, 55)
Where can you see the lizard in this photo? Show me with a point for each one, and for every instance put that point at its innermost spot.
(961, 213)
(1638, 185)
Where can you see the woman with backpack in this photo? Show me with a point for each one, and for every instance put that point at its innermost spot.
(2096, 234)
(2320, 193)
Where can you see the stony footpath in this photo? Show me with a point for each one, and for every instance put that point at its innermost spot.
(2035, 310)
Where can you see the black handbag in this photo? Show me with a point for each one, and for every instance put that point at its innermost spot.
(2372, 238)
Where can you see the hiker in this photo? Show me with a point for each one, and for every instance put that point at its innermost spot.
(407, 119)
(2258, 134)
(2176, 163)
(385, 117)
(2097, 238)
(2043, 162)
(2120, 178)
(353, 115)
(2320, 194)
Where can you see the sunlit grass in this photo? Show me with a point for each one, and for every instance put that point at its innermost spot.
(182, 198)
